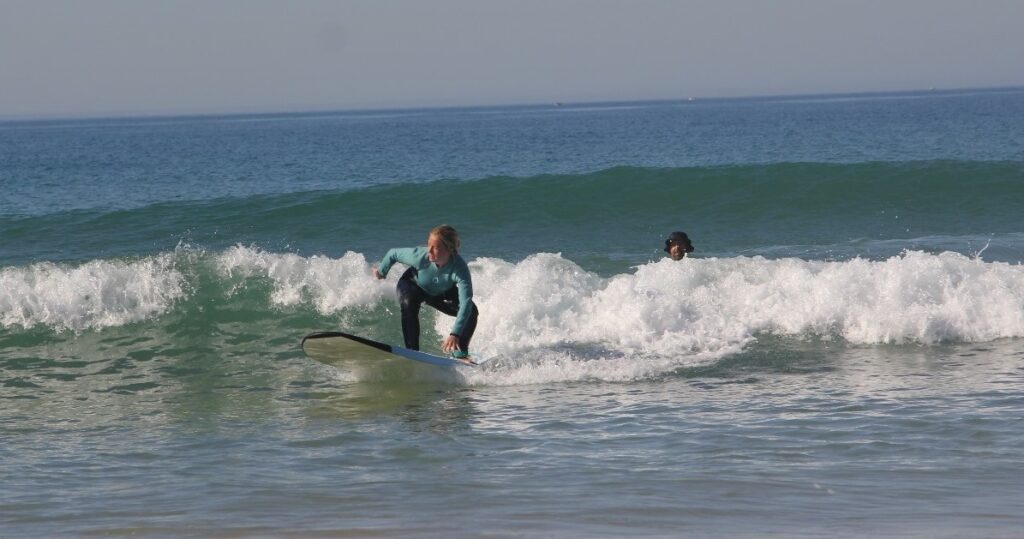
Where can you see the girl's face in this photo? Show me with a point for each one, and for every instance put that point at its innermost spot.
(437, 252)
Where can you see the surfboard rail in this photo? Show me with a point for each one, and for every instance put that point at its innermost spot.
(332, 347)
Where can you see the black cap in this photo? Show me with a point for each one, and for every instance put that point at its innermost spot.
(679, 238)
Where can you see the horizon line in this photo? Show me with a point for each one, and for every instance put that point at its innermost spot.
(126, 115)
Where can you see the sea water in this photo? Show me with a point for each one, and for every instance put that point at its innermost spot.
(842, 354)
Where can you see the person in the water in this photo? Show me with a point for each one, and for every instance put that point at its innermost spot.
(678, 245)
(439, 277)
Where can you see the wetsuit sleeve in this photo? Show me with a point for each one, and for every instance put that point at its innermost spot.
(464, 283)
(406, 255)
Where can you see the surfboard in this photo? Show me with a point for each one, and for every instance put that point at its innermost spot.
(336, 348)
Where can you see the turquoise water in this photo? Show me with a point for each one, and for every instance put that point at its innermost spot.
(843, 356)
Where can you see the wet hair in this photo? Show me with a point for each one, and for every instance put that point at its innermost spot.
(448, 236)
(678, 238)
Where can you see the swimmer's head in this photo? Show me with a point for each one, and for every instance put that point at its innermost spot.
(677, 245)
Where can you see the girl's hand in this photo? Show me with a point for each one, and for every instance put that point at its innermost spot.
(450, 344)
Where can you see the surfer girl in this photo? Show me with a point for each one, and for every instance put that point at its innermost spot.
(677, 245)
(439, 277)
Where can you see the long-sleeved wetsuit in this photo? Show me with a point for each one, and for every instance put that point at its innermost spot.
(448, 289)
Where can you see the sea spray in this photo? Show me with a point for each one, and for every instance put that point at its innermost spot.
(547, 304)
(329, 284)
(91, 296)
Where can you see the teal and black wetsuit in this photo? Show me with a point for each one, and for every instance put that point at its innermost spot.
(448, 289)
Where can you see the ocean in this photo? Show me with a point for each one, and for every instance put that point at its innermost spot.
(841, 356)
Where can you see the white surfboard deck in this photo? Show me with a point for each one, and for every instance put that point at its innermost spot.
(336, 348)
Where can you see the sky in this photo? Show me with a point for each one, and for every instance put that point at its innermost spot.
(118, 57)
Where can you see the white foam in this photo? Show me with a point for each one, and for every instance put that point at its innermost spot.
(695, 307)
(546, 318)
(331, 284)
(562, 323)
(914, 298)
(97, 294)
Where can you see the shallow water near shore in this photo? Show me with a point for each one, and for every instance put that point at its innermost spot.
(791, 438)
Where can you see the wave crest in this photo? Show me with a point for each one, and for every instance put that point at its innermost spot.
(94, 295)
(696, 308)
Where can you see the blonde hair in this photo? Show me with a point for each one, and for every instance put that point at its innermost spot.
(448, 236)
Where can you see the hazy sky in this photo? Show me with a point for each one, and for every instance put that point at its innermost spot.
(94, 57)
